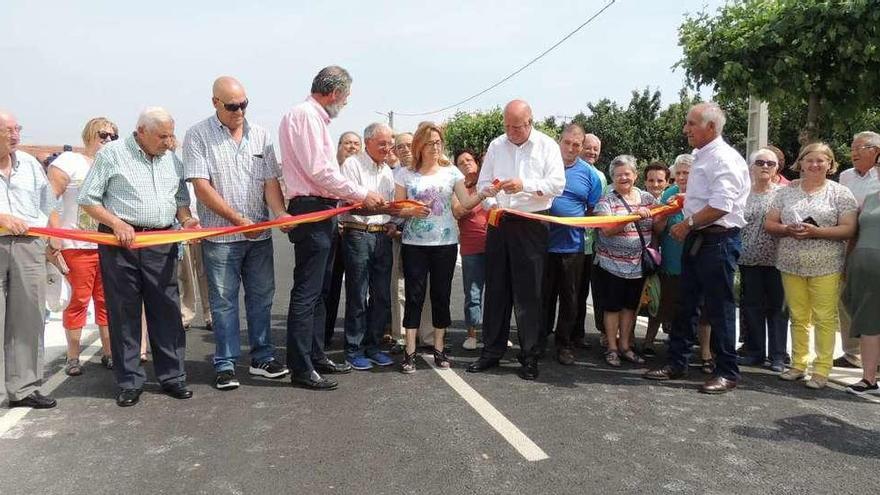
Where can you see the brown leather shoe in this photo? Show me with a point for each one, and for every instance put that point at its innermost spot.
(718, 385)
(565, 356)
(665, 373)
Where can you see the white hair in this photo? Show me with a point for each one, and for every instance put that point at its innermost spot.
(623, 161)
(151, 117)
(872, 138)
(374, 128)
(685, 159)
(711, 112)
(763, 151)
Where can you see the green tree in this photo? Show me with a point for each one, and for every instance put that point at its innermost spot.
(821, 54)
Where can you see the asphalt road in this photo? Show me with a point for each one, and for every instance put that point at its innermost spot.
(603, 430)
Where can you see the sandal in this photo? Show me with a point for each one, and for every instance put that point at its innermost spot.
(441, 360)
(708, 366)
(612, 359)
(73, 368)
(144, 357)
(409, 363)
(107, 362)
(632, 357)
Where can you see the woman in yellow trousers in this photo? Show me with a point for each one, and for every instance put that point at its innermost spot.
(813, 218)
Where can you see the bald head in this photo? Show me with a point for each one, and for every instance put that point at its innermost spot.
(517, 121)
(11, 131)
(228, 93)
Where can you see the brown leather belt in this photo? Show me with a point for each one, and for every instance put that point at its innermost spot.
(364, 227)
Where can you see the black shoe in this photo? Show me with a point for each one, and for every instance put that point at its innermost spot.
(842, 362)
(128, 397)
(107, 362)
(328, 367)
(35, 400)
(226, 380)
(529, 371)
(314, 381)
(268, 369)
(177, 390)
(649, 352)
(482, 364)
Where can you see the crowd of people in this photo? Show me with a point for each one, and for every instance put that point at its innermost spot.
(806, 250)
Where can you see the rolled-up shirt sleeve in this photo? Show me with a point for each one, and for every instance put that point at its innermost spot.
(724, 187)
(194, 159)
(301, 143)
(181, 197)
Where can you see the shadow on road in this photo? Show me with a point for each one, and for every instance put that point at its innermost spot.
(822, 430)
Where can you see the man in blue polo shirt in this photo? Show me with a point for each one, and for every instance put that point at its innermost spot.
(565, 259)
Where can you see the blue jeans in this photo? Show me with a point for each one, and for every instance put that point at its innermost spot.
(368, 259)
(228, 266)
(473, 274)
(707, 277)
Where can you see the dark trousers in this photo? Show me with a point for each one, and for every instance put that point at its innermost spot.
(419, 263)
(563, 276)
(306, 315)
(764, 313)
(333, 288)
(516, 251)
(707, 277)
(580, 322)
(367, 289)
(143, 278)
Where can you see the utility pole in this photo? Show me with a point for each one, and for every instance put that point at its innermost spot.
(389, 116)
(756, 138)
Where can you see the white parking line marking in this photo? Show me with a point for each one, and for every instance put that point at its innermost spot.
(514, 436)
(13, 416)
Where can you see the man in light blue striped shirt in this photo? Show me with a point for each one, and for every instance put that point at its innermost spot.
(232, 167)
(135, 185)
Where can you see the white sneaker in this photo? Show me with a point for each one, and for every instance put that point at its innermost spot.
(470, 343)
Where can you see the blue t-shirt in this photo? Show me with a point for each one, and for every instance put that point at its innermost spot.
(583, 189)
(670, 249)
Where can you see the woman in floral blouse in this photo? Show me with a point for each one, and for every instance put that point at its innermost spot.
(813, 218)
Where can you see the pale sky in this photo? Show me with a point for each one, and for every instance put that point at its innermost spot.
(66, 62)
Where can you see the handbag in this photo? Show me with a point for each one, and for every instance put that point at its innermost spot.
(650, 257)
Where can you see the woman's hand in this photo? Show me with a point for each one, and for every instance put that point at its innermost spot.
(803, 231)
(643, 212)
(415, 212)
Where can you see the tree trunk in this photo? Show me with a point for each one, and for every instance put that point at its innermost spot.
(810, 133)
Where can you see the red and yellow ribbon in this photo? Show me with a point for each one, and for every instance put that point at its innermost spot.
(157, 237)
(496, 214)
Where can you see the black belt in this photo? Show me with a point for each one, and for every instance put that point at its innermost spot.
(316, 199)
(107, 230)
(718, 230)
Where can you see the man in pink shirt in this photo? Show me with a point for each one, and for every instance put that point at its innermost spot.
(314, 183)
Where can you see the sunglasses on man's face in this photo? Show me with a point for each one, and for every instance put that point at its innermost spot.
(234, 107)
(107, 135)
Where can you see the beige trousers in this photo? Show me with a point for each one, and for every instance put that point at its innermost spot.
(191, 278)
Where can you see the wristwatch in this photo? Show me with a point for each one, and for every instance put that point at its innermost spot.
(690, 222)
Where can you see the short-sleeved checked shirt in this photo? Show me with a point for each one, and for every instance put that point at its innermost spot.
(140, 191)
(26, 194)
(237, 171)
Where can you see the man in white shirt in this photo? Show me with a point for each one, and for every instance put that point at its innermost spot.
(367, 253)
(861, 179)
(718, 187)
(525, 167)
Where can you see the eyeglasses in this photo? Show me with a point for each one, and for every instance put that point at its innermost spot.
(107, 135)
(861, 148)
(434, 144)
(520, 127)
(764, 163)
(234, 107)
(402, 146)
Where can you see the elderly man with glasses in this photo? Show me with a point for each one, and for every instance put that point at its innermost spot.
(26, 200)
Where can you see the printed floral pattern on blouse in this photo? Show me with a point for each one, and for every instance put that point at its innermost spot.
(439, 228)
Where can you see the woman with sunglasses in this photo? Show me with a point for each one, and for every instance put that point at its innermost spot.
(66, 174)
(430, 236)
(763, 299)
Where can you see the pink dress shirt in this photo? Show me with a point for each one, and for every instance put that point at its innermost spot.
(308, 156)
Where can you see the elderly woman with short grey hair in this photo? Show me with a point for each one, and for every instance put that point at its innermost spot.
(619, 257)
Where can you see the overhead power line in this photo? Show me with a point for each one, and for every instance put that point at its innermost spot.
(517, 71)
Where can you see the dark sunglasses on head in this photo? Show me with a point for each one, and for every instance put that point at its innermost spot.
(764, 163)
(107, 135)
(234, 107)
